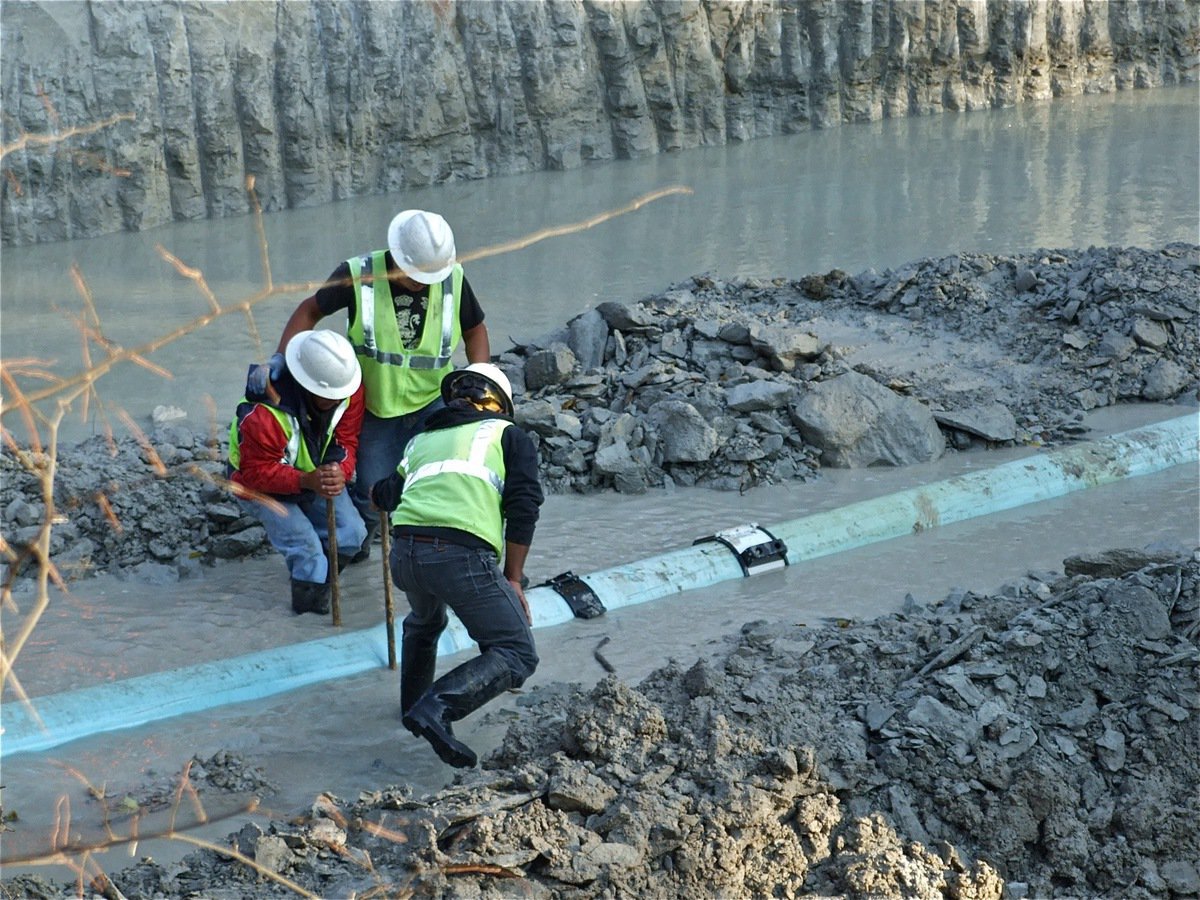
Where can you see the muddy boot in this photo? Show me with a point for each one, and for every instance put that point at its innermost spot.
(417, 665)
(456, 694)
(308, 596)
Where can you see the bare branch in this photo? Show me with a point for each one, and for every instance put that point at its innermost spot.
(57, 137)
(561, 230)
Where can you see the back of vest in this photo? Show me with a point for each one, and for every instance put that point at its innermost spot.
(454, 478)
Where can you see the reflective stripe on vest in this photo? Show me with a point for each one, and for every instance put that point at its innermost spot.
(296, 453)
(389, 393)
(454, 478)
(473, 465)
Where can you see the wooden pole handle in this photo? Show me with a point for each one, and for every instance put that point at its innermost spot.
(389, 611)
(331, 527)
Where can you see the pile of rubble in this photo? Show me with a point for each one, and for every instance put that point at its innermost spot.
(720, 384)
(1041, 742)
(731, 384)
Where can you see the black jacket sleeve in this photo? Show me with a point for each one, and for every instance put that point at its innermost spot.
(337, 293)
(470, 313)
(523, 497)
(386, 492)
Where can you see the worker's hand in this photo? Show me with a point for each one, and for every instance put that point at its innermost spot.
(519, 588)
(259, 380)
(326, 481)
(333, 479)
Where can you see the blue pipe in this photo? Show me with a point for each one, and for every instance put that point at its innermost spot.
(67, 716)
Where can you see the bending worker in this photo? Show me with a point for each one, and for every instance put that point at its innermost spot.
(408, 308)
(293, 450)
(465, 495)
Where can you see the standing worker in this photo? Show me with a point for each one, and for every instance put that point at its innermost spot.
(465, 495)
(405, 327)
(293, 450)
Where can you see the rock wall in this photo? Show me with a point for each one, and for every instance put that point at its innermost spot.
(178, 104)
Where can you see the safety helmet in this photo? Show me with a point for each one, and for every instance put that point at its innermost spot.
(478, 383)
(323, 362)
(422, 244)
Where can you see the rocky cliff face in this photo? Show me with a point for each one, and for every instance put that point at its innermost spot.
(178, 104)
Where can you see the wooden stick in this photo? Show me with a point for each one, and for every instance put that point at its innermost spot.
(331, 526)
(389, 611)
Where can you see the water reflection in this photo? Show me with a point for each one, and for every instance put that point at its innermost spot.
(1102, 170)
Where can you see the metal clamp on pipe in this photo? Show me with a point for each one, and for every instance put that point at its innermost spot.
(582, 599)
(756, 549)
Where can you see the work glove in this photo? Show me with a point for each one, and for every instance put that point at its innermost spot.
(256, 381)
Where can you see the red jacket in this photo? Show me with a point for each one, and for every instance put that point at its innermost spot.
(262, 445)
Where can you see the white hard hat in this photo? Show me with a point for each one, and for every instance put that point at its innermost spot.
(323, 362)
(422, 244)
(490, 374)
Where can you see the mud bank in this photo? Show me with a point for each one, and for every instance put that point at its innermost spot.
(1037, 742)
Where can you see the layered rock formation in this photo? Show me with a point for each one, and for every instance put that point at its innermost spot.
(178, 105)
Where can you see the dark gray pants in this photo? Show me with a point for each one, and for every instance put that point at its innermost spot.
(440, 575)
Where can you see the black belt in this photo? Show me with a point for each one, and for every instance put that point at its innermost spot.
(419, 538)
(430, 539)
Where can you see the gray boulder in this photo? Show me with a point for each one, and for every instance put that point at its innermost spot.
(537, 416)
(856, 422)
(1165, 379)
(588, 336)
(756, 396)
(991, 421)
(617, 461)
(546, 368)
(623, 317)
(784, 347)
(684, 434)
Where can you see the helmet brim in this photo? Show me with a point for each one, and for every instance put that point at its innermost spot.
(427, 277)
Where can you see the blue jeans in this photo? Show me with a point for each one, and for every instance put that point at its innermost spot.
(442, 574)
(381, 443)
(301, 531)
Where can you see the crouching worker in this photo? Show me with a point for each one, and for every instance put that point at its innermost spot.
(293, 450)
(466, 495)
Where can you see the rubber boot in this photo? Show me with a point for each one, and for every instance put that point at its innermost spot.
(456, 694)
(308, 596)
(364, 551)
(417, 665)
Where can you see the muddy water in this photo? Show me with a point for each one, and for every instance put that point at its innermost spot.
(1098, 170)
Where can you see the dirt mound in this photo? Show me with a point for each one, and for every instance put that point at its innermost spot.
(1038, 742)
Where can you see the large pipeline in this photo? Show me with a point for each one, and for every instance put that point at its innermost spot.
(59, 718)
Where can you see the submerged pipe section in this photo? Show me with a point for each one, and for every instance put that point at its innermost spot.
(59, 718)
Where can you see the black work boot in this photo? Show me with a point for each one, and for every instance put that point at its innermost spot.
(308, 596)
(363, 553)
(456, 694)
(417, 664)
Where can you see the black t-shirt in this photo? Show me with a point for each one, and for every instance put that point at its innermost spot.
(338, 293)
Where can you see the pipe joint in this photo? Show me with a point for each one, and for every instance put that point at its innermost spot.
(756, 549)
